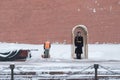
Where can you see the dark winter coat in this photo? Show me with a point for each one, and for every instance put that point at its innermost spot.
(79, 44)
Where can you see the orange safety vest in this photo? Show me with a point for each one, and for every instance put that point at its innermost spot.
(47, 45)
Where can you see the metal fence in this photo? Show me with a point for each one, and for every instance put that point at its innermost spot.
(93, 72)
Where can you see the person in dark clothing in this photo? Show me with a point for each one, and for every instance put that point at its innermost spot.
(78, 44)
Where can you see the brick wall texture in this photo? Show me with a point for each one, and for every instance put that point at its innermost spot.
(34, 21)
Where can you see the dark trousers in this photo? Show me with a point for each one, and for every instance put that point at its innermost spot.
(46, 53)
(78, 56)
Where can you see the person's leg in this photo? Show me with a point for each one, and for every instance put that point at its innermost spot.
(46, 53)
(79, 56)
(76, 56)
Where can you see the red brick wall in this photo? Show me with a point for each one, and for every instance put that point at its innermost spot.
(34, 21)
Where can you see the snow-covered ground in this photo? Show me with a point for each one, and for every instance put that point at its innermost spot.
(63, 51)
(61, 65)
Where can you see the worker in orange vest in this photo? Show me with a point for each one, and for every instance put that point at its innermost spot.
(47, 46)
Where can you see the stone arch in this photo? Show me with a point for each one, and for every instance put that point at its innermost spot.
(84, 33)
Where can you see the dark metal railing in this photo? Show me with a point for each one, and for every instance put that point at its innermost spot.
(91, 72)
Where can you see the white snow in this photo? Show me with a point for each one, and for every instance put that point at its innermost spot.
(94, 10)
(63, 51)
(61, 61)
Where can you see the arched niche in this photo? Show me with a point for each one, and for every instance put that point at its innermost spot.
(84, 33)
